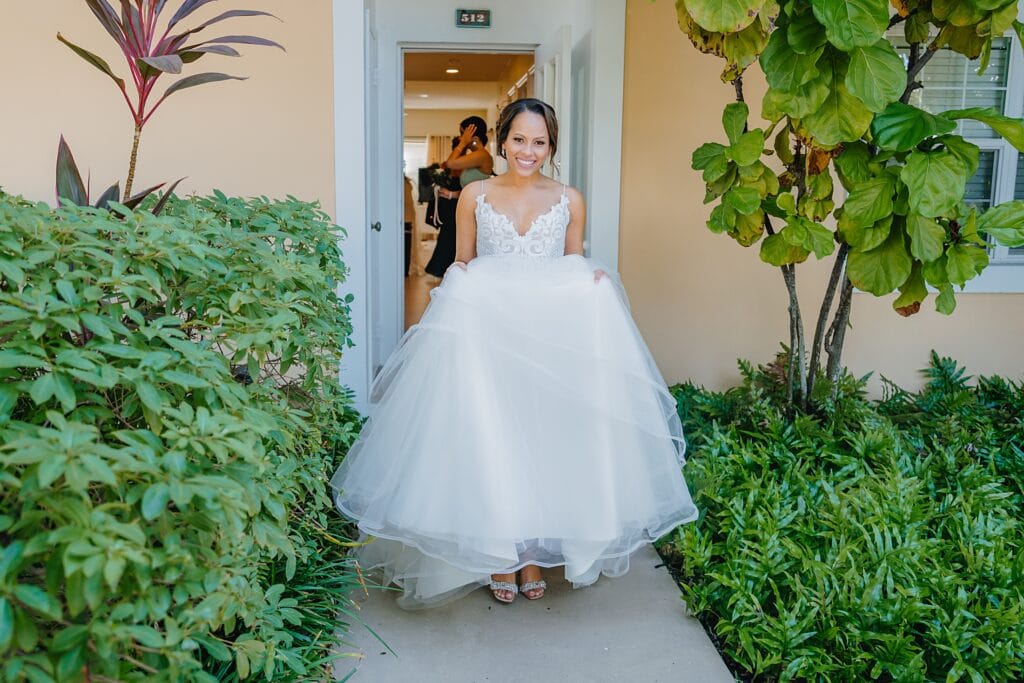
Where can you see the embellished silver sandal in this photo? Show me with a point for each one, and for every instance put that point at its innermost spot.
(504, 586)
(531, 586)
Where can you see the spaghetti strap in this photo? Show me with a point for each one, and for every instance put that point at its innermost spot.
(563, 189)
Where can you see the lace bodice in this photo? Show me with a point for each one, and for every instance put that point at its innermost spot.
(496, 235)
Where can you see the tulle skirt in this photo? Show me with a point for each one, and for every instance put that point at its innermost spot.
(522, 421)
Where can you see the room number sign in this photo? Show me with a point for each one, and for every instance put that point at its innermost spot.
(473, 18)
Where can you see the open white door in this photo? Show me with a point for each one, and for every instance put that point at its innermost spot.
(553, 84)
(373, 227)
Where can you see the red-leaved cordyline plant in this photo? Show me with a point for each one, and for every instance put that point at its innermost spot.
(151, 53)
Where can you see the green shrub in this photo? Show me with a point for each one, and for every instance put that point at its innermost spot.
(878, 541)
(169, 414)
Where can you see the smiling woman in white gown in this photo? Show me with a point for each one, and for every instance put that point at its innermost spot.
(522, 423)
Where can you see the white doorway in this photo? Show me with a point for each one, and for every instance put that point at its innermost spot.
(442, 89)
(579, 49)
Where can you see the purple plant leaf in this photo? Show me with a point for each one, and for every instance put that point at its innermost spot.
(112, 194)
(159, 8)
(167, 195)
(69, 180)
(246, 40)
(136, 199)
(168, 64)
(187, 8)
(95, 60)
(196, 53)
(233, 13)
(108, 17)
(198, 79)
(132, 22)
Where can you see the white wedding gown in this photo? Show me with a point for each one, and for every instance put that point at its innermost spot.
(522, 421)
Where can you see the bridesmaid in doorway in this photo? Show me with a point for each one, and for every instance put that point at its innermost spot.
(471, 161)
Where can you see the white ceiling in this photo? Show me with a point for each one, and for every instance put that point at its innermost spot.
(448, 95)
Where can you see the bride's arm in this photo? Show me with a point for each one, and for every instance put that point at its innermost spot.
(465, 224)
(577, 223)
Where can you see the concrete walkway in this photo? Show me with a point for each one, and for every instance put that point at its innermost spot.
(633, 628)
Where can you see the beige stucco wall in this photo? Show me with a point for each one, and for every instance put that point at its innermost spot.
(700, 299)
(272, 134)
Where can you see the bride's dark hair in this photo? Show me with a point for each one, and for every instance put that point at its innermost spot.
(514, 109)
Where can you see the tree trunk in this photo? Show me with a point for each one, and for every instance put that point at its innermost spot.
(823, 314)
(131, 162)
(837, 335)
(797, 350)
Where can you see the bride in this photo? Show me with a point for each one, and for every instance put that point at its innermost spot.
(522, 423)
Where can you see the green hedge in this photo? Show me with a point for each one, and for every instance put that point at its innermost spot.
(169, 414)
(879, 541)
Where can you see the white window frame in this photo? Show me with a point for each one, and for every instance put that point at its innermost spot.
(1005, 272)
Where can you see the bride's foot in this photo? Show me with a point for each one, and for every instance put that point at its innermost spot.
(532, 586)
(503, 587)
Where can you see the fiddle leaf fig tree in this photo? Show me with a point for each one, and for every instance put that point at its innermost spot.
(838, 105)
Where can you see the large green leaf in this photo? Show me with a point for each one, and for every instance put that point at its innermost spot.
(876, 75)
(38, 600)
(748, 228)
(734, 120)
(852, 164)
(967, 152)
(912, 293)
(1010, 128)
(852, 23)
(784, 68)
(706, 154)
(747, 149)
(778, 251)
(927, 237)
(957, 12)
(1005, 223)
(744, 200)
(724, 16)
(945, 302)
(936, 180)
(154, 500)
(722, 219)
(841, 117)
(809, 236)
(6, 624)
(882, 269)
(741, 49)
(864, 238)
(900, 127)
(964, 261)
(804, 34)
(870, 201)
(805, 100)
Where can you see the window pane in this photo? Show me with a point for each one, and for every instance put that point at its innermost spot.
(1018, 193)
(951, 81)
(979, 186)
(1018, 188)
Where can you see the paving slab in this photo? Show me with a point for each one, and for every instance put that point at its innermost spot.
(632, 628)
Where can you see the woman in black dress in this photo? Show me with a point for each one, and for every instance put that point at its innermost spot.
(441, 214)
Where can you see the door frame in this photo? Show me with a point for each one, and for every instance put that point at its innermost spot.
(599, 27)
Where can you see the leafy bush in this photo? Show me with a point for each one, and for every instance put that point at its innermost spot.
(169, 414)
(877, 541)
